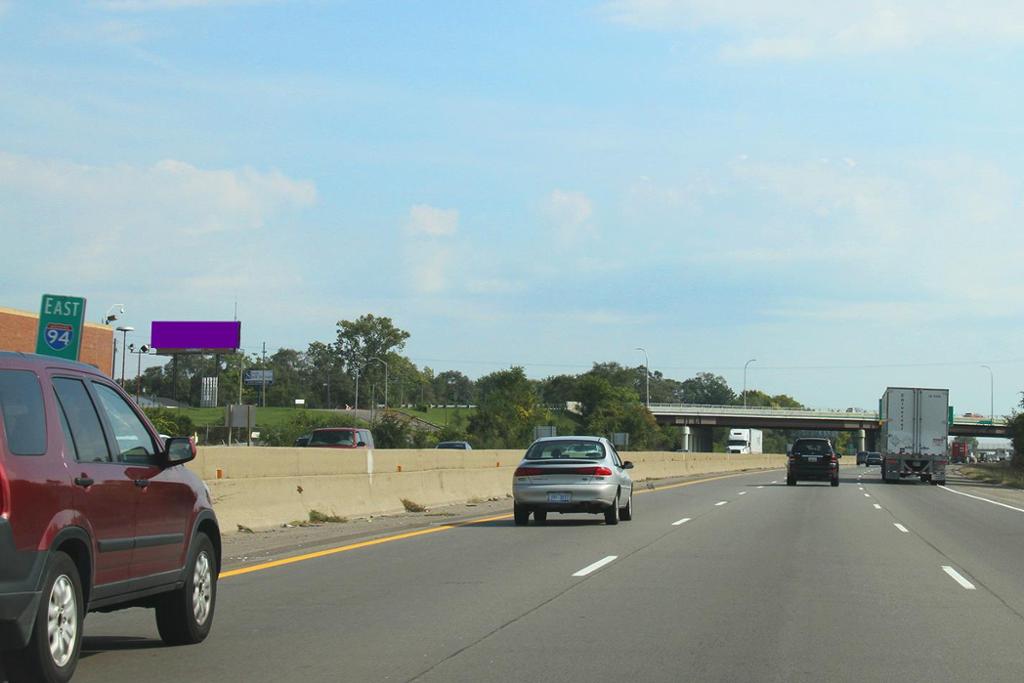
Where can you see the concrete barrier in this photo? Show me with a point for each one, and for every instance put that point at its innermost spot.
(266, 487)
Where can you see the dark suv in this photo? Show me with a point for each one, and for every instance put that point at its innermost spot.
(96, 513)
(812, 460)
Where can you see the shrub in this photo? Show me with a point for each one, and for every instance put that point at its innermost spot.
(170, 422)
(392, 432)
(304, 422)
(316, 516)
(410, 506)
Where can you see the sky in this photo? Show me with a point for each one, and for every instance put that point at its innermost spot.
(831, 188)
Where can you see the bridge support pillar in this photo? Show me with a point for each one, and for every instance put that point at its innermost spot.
(686, 434)
(861, 439)
(872, 440)
(702, 440)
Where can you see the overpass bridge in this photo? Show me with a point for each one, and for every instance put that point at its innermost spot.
(698, 420)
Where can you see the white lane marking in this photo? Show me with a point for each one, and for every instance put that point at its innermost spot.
(760, 487)
(961, 493)
(743, 493)
(720, 503)
(597, 565)
(877, 506)
(900, 527)
(776, 481)
(867, 495)
(684, 520)
(958, 578)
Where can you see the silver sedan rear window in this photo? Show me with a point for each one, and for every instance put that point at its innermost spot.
(566, 450)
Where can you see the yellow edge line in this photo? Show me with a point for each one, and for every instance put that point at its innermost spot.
(701, 481)
(353, 546)
(421, 532)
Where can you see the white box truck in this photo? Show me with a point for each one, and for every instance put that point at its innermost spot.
(745, 441)
(914, 433)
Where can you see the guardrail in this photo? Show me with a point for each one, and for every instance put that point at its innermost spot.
(762, 411)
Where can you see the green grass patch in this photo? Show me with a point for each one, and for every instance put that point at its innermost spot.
(266, 418)
(438, 415)
(1001, 473)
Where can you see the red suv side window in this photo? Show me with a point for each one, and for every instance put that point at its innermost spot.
(133, 439)
(21, 401)
(86, 430)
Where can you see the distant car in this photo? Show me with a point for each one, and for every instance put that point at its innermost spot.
(862, 457)
(302, 440)
(874, 458)
(455, 445)
(99, 513)
(572, 474)
(812, 460)
(340, 437)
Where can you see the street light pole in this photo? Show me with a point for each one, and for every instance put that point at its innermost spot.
(124, 330)
(138, 372)
(381, 360)
(357, 389)
(647, 375)
(752, 360)
(991, 394)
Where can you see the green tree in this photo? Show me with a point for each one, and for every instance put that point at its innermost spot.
(392, 432)
(708, 389)
(608, 409)
(508, 408)
(364, 339)
(1015, 423)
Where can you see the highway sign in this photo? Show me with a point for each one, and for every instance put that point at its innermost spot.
(256, 378)
(61, 323)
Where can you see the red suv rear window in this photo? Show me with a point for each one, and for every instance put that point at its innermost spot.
(21, 401)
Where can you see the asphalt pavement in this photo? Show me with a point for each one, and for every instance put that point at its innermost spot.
(739, 578)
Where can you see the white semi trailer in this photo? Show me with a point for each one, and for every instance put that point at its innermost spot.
(914, 434)
(745, 441)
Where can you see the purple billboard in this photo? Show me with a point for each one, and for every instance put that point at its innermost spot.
(196, 337)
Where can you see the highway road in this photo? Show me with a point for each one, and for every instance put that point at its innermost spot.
(734, 579)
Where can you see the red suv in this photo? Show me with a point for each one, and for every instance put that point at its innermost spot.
(96, 513)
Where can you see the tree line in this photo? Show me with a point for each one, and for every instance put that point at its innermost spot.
(352, 371)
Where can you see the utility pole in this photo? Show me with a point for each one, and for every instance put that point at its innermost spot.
(752, 360)
(647, 375)
(263, 380)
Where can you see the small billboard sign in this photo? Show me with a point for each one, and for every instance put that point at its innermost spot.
(257, 378)
(61, 323)
(169, 337)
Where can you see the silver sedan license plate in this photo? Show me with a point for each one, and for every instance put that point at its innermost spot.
(559, 497)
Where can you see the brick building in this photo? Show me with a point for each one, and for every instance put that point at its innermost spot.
(18, 333)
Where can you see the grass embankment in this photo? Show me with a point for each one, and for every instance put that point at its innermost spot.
(439, 416)
(278, 417)
(266, 418)
(1002, 473)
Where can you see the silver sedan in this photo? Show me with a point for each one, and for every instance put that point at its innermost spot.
(572, 474)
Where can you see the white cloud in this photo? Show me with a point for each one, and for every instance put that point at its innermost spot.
(163, 229)
(796, 29)
(112, 32)
(429, 266)
(569, 214)
(429, 220)
(947, 231)
(168, 193)
(148, 5)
